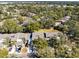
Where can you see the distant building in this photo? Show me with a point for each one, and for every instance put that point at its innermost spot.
(31, 14)
(62, 20)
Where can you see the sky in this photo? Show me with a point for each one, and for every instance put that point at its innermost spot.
(39, 0)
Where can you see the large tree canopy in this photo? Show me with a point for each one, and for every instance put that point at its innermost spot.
(32, 27)
(10, 26)
(40, 43)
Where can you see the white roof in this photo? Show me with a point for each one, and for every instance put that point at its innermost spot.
(57, 23)
(19, 40)
(1, 41)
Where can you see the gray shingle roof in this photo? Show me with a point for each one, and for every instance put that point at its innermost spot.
(50, 34)
(36, 35)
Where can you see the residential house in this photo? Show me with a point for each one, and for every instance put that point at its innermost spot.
(62, 20)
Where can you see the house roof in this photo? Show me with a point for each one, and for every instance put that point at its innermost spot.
(64, 18)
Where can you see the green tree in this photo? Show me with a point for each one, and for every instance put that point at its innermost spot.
(10, 26)
(3, 53)
(47, 23)
(75, 53)
(40, 43)
(64, 52)
(45, 53)
(57, 40)
(32, 27)
(73, 29)
(35, 17)
(7, 42)
(42, 49)
(67, 51)
(20, 19)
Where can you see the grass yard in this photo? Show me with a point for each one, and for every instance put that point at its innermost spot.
(47, 30)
